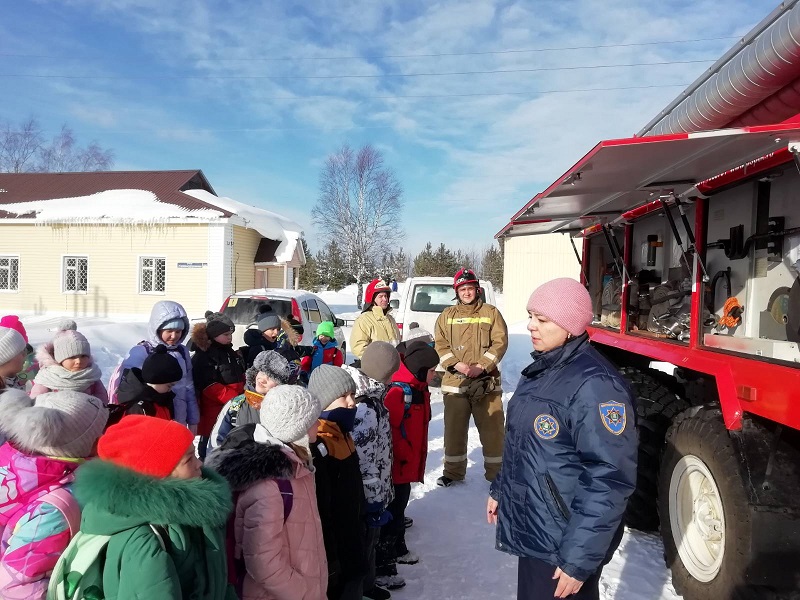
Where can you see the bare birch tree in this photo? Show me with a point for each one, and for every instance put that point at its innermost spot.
(359, 207)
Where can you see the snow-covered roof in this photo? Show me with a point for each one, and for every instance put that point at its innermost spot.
(269, 224)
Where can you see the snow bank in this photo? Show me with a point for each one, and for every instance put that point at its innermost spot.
(117, 206)
(268, 224)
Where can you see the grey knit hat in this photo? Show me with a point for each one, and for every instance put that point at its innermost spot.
(288, 412)
(272, 364)
(11, 344)
(62, 424)
(269, 320)
(327, 383)
(380, 361)
(217, 324)
(69, 343)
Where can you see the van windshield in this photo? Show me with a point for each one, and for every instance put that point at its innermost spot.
(432, 298)
(243, 311)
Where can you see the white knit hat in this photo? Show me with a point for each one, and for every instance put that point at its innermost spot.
(288, 411)
(62, 424)
(11, 344)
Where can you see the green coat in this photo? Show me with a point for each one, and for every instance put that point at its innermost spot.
(123, 504)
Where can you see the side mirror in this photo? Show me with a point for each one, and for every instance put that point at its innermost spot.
(394, 303)
(337, 322)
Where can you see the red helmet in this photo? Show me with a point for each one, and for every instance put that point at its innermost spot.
(464, 276)
(376, 286)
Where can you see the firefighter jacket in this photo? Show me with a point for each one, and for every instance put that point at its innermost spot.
(473, 334)
(371, 326)
(569, 462)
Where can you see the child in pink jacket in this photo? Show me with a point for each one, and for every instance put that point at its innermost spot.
(66, 363)
(278, 547)
(48, 438)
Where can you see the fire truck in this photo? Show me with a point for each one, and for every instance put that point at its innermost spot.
(690, 235)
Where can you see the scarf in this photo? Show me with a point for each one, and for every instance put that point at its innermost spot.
(345, 418)
(319, 352)
(56, 377)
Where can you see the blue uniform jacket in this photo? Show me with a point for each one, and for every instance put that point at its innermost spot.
(569, 462)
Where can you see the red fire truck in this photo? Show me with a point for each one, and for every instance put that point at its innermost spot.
(691, 253)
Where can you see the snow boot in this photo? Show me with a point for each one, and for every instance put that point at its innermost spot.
(409, 558)
(390, 582)
(408, 522)
(377, 593)
(444, 481)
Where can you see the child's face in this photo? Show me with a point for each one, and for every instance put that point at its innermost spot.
(171, 337)
(224, 338)
(188, 467)
(162, 388)
(342, 402)
(264, 383)
(323, 339)
(76, 363)
(271, 334)
(13, 366)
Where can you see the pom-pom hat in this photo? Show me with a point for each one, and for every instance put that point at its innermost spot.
(288, 412)
(161, 367)
(68, 343)
(13, 322)
(217, 324)
(565, 302)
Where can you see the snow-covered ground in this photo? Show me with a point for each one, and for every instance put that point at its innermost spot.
(450, 533)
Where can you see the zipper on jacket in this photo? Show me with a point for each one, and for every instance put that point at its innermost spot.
(562, 507)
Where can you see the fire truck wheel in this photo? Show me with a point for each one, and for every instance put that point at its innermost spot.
(656, 408)
(705, 517)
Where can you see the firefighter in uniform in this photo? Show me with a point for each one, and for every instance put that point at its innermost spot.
(471, 339)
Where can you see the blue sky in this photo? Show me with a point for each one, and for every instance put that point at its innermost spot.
(257, 94)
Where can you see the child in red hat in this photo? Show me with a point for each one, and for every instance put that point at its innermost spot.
(164, 513)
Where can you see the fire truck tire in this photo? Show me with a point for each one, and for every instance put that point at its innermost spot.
(705, 516)
(656, 407)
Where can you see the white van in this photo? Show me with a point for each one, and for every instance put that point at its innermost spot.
(423, 299)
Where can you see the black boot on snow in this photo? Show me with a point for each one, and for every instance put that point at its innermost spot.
(444, 481)
(377, 593)
(408, 522)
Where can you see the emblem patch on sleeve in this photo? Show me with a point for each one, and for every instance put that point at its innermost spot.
(613, 416)
(545, 426)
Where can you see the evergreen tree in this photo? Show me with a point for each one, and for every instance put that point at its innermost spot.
(309, 273)
(493, 266)
(333, 270)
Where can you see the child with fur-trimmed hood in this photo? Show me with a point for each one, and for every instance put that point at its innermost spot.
(219, 372)
(66, 363)
(48, 438)
(164, 513)
(278, 542)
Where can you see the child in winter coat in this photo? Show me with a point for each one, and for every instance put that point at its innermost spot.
(164, 513)
(277, 538)
(168, 325)
(408, 401)
(218, 371)
(148, 391)
(24, 378)
(12, 357)
(264, 337)
(326, 350)
(340, 491)
(373, 438)
(66, 363)
(48, 438)
(269, 370)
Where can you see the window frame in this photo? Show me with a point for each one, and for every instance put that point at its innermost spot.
(65, 269)
(140, 273)
(11, 257)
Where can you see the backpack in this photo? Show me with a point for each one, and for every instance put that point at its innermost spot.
(78, 574)
(409, 398)
(236, 567)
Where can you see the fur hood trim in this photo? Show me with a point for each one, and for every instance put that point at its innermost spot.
(137, 499)
(200, 337)
(252, 462)
(291, 334)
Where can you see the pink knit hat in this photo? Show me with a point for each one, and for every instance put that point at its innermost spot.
(13, 322)
(565, 302)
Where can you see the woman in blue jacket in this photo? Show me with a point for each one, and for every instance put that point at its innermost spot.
(569, 462)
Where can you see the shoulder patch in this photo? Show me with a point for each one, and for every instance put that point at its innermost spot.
(546, 426)
(613, 416)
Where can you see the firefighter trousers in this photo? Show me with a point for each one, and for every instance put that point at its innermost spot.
(489, 419)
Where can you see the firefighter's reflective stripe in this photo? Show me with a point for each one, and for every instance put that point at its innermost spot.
(468, 320)
(447, 356)
(490, 356)
(493, 459)
(449, 389)
(458, 458)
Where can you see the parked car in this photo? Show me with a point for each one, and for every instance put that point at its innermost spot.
(306, 307)
(423, 299)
